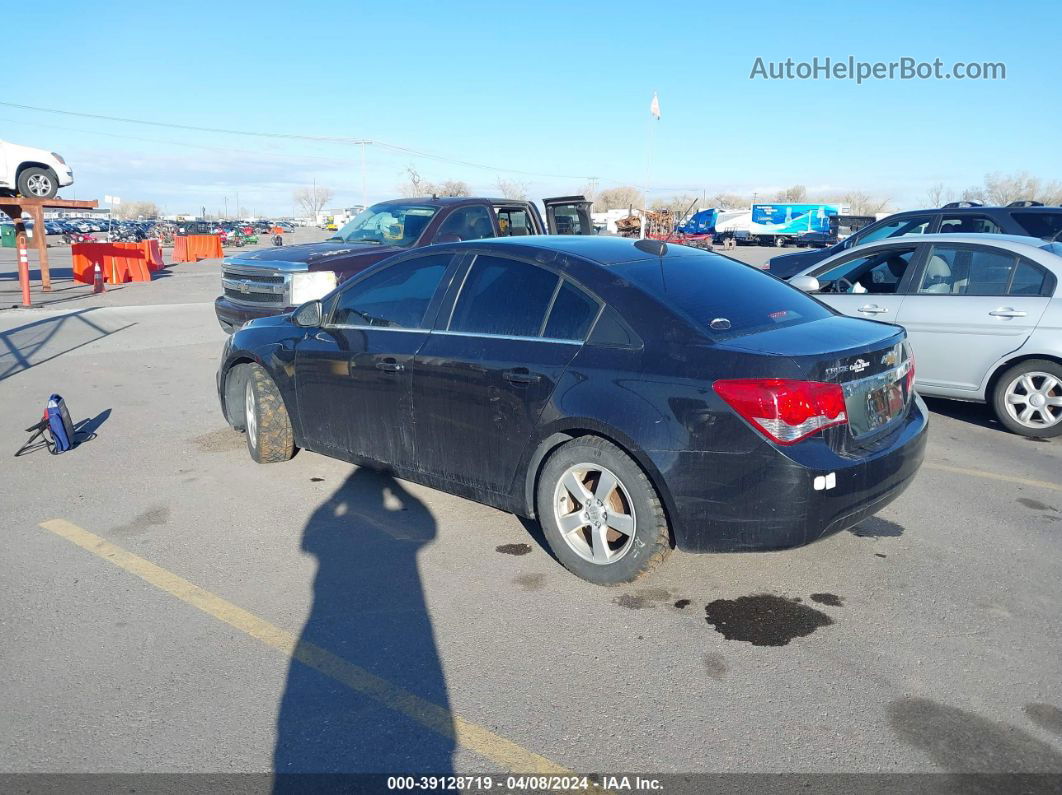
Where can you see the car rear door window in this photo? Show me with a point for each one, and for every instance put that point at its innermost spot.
(514, 221)
(1028, 279)
(503, 296)
(1044, 225)
(466, 223)
(908, 225)
(958, 270)
(969, 224)
(396, 297)
(571, 314)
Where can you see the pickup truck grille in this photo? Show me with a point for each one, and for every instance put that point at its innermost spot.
(254, 286)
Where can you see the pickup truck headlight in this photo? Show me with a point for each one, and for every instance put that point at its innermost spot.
(311, 285)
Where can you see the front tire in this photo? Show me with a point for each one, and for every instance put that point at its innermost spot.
(600, 514)
(1028, 398)
(270, 438)
(38, 183)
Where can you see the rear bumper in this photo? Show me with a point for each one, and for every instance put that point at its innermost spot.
(767, 500)
(232, 315)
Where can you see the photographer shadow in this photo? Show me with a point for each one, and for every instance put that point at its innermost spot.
(383, 706)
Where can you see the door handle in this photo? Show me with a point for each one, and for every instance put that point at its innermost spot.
(521, 376)
(873, 309)
(1006, 311)
(389, 366)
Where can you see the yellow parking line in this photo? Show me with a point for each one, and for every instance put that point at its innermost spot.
(437, 718)
(980, 473)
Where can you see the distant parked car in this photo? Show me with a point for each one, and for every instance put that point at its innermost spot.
(983, 314)
(33, 173)
(1018, 218)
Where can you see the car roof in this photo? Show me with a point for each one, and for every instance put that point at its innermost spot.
(447, 201)
(602, 249)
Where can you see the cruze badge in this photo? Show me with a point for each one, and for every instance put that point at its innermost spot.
(858, 366)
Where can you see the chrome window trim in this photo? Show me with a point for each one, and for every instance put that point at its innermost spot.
(505, 337)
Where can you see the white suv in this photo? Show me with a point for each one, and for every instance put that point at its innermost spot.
(33, 173)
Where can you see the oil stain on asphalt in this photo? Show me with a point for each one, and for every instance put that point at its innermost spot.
(153, 517)
(646, 597)
(764, 619)
(531, 582)
(513, 549)
(715, 666)
(828, 599)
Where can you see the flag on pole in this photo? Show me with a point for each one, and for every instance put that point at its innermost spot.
(654, 107)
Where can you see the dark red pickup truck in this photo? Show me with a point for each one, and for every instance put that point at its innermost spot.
(271, 281)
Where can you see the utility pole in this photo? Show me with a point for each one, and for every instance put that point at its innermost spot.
(237, 205)
(315, 200)
(364, 200)
(226, 207)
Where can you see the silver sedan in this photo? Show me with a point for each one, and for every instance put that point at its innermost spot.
(982, 312)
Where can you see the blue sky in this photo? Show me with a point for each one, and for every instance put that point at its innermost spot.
(558, 89)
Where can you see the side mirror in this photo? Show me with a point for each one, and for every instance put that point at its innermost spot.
(809, 284)
(308, 315)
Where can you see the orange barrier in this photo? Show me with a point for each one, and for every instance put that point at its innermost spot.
(192, 248)
(120, 262)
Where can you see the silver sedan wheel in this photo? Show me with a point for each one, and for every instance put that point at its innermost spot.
(595, 513)
(1035, 400)
(39, 185)
(250, 413)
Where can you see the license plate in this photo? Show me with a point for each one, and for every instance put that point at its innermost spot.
(884, 404)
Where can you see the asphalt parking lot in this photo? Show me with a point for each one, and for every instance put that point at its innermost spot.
(168, 605)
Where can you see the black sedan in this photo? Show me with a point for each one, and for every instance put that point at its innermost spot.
(632, 396)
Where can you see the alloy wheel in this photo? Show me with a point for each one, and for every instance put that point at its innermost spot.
(1035, 400)
(251, 414)
(39, 185)
(595, 513)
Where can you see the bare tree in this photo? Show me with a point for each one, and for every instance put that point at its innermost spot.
(678, 205)
(511, 189)
(1005, 188)
(862, 203)
(937, 195)
(728, 201)
(313, 200)
(453, 187)
(136, 210)
(795, 194)
(618, 198)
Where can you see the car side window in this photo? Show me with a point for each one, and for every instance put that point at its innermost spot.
(969, 224)
(956, 270)
(396, 297)
(503, 296)
(466, 223)
(1037, 223)
(1029, 279)
(514, 221)
(878, 272)
(571, 314)
(909, 225)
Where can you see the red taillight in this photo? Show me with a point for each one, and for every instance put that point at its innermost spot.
(786, 411)
(910, 372)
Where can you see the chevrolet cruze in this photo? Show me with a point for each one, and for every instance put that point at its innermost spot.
(631, 396)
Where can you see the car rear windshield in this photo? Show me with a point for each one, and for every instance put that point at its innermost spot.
(722, 297)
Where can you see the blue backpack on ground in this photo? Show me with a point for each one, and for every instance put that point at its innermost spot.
(55, 426)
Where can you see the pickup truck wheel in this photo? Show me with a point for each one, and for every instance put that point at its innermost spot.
(1028, 398)
(269, 435)
(600, 514)
(38, 183)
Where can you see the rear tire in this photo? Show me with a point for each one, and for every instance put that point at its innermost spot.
(270, 438)
(38, 183)
(1025, 396)
(574, 490)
